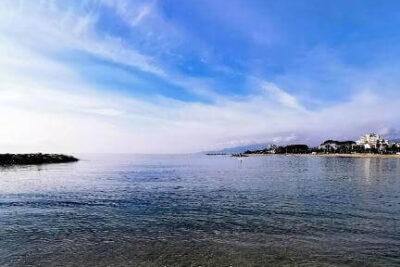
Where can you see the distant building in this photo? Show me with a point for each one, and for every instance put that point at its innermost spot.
(271, 149)
(372, 141)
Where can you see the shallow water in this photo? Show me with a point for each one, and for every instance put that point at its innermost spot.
(195, 210)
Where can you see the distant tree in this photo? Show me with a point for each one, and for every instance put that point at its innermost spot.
(297, 149)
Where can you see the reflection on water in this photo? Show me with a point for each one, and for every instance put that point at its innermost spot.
(130, 210)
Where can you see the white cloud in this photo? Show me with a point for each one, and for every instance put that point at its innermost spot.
(47, 29)
(133, 12)
(46, 105)
(60, 121)
(281, 96)
(144, 11)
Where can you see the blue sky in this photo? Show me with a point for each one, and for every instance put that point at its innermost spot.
(183, 76)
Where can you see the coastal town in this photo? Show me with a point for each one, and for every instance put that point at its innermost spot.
(367, 144)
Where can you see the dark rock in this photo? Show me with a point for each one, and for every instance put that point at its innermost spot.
(30, 159)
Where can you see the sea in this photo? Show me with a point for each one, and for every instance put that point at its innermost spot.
(198, 210)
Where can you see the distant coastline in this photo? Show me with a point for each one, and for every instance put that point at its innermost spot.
(34, 159)
(355, 155)
(368, 146)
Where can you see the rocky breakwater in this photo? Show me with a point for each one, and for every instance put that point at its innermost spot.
(30, 159)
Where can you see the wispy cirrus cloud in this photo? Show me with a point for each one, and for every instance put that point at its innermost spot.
(45, 27)
(48, 102)
(133, 12)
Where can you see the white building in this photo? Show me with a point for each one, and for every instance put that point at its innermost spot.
(372, 141)
(271, 149)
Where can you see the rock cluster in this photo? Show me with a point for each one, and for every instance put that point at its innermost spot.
(39, 158)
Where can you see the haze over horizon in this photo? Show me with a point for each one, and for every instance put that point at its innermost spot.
(186, 76)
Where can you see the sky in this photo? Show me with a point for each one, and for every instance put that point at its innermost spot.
(175, 76)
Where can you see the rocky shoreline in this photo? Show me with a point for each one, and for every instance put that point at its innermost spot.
(34, 159)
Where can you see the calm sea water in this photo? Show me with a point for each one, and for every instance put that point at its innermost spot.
(195, 210)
